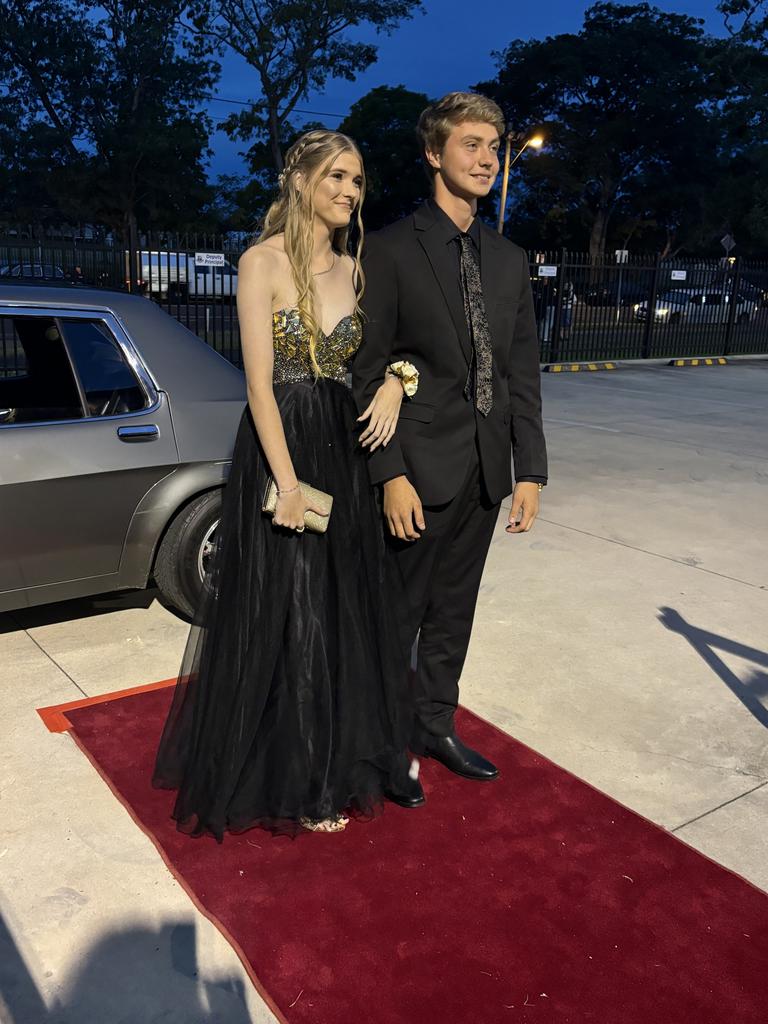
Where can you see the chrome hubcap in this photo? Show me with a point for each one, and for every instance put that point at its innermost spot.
(205, 552)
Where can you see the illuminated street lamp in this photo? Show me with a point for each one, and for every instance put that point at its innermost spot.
(535, 142)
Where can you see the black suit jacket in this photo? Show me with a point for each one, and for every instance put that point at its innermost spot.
(413, 309)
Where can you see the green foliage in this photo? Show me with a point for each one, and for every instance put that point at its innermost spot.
(294, 48)
(623, 105)
(746, 20)
(114, 89)
(383, 124)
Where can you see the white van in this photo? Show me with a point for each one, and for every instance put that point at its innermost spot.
(180, 275)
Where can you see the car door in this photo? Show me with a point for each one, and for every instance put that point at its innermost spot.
(86, 435)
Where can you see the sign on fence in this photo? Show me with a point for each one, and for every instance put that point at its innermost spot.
(679, 275)
(545, 270)
(209, 259)
(622, 255)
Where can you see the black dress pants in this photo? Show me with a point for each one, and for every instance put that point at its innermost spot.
(441, 575)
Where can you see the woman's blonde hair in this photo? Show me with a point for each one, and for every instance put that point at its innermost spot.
(439, 119)
(292, 215)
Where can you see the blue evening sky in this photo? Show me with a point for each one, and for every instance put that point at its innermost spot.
(433, 53)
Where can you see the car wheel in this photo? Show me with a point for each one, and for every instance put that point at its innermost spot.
(743, 318)
(177, 292)
(675, 318)
(185, 552)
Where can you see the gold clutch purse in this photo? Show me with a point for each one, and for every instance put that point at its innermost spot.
(312, 521)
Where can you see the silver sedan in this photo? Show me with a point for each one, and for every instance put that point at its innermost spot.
(116, 432)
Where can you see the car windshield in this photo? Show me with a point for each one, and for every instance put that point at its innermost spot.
(677, 297)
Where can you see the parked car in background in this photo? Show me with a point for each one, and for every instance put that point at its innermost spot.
(117, 426)
(757, 279)
(616, 293)
(178, 275)
(33, 271)
(753, 292)
(696, 307)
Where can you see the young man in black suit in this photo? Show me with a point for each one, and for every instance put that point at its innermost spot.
(450, 296)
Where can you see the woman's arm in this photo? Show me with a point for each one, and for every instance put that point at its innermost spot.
(379, 304)
(384, 412)
(255, 290)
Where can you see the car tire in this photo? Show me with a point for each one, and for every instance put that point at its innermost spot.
(742, 318)
(181, 554)
(675, 318)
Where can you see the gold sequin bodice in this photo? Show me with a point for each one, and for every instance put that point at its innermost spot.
(333, 352)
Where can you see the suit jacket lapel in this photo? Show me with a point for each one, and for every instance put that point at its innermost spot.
(491, 270)
(443, 261)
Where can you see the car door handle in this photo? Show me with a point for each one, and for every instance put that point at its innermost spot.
(143, 432)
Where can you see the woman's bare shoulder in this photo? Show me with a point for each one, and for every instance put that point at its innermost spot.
(268, 257)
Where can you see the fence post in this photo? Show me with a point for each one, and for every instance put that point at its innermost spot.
(133, 255)
(555, 329)
(650, 316)
(734, 300)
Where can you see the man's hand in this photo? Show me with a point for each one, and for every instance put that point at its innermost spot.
(525, 507)
(402, 509)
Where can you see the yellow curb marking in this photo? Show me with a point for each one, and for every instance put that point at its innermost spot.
(577, 367)
(719, 361)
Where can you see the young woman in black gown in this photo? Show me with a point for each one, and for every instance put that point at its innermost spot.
(291, 709)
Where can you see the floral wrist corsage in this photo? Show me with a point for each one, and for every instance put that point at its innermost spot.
(407, 374)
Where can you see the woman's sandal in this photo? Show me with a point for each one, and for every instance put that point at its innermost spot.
(324, 824)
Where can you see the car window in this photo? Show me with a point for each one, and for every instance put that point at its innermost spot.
(13, 361)
(677, 297)
(37, 384)
(713, 299)
(109, 383)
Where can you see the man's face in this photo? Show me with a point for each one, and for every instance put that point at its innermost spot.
(469, 162)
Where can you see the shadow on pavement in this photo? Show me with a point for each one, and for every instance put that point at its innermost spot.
(137, 975)
(751, 691)
(83, 608)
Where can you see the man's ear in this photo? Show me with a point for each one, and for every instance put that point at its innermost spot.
(433, 159)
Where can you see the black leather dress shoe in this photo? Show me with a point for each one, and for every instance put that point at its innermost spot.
(407, 793)
(459, 758)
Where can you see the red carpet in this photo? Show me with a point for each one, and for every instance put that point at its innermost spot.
(533, 898)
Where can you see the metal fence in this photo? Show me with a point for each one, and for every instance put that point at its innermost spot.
(622, 307)
(636, 307)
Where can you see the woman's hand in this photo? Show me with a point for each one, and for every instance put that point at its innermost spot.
(290, 509)
(384, 411)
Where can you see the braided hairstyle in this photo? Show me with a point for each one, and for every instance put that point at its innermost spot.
(292, 214)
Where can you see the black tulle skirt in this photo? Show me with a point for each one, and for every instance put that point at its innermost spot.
(292, 697)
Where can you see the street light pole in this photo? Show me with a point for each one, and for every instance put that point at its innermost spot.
(536, 142)
(504, 181)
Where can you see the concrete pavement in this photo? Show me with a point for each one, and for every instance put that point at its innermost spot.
(626, 638)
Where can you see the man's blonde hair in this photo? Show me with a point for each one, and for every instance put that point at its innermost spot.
(439, 119)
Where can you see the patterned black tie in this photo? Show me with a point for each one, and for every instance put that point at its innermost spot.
(477, 322)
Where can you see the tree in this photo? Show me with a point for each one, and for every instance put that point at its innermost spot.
(742, 121)
(294, 47)
(624, 101)
(383, 123)
(119, 88)
(746, 20)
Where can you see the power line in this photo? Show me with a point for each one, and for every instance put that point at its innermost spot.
(249, 103)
